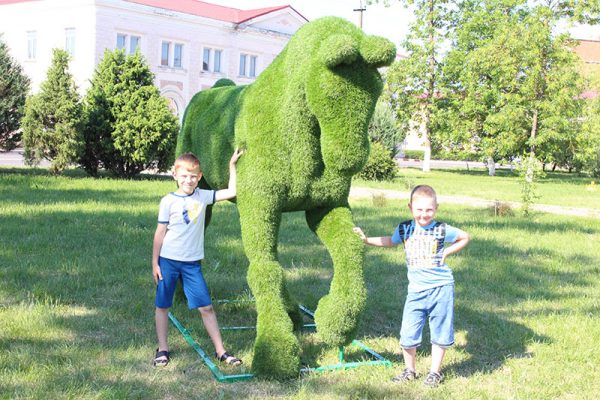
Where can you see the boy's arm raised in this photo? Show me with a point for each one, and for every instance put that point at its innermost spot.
(379, 241)
(230, 192)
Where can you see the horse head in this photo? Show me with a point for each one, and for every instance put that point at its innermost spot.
(342, 87)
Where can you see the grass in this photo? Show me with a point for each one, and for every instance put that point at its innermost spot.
(556, 188)
(76, 300)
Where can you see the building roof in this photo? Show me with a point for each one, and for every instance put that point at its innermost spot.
(200, 8)
(213, 11)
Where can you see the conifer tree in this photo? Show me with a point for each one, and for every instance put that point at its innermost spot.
(128, 125)
(14, 85)
(51, 125)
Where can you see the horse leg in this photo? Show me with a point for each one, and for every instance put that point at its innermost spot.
(276, 348)
(338, 312)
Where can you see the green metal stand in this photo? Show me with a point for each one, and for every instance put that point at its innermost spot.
(378, 359)
(213, 368)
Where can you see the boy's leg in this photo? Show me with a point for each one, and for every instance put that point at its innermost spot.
(164, 300)
(437, 356)
(411, 331)
(410, 358)
(162, 323)
(209, 318)
(441, 324)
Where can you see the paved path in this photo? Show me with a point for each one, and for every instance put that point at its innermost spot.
(361, 192)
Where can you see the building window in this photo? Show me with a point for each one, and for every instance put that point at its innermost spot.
(248, 65)
(164, 57)
(70, 41)
(206, 59)
(252, 72)
(211, 60)
(177, 56)
(243, 64)
(171, 55)
(217, 62)
(121, 41)
(31, 45)
(134, 44)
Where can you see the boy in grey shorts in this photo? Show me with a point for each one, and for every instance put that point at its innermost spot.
(430, 281)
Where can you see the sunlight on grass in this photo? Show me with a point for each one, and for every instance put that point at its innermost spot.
(76, 298)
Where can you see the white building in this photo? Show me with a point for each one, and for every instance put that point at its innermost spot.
(188, 44)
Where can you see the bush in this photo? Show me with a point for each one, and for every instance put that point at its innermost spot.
(14, 85)
(382, 127)
(128, 125)
(380, 165)
(51, 124)
(414, 154)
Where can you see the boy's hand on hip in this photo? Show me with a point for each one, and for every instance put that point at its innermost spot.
(156, 273)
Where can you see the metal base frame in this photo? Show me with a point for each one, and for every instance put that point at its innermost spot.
(221, 377)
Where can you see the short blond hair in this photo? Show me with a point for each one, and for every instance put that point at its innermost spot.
(423, 191)
(189, 160)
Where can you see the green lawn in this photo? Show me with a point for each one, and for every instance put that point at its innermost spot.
(556, 188)
(76, 300)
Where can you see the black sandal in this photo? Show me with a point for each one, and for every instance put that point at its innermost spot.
(161, 358)
(229, 359)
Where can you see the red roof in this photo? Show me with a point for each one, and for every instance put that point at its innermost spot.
(209, 10)
(199, 8)
(2, 2)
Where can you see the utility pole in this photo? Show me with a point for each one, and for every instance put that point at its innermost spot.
(361, 9)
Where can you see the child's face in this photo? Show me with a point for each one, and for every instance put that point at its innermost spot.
(423, 209)
(187, 178)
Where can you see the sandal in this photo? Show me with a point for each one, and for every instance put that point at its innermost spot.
(161, 358)
(228, 359)
(433, 379)
(406, 376)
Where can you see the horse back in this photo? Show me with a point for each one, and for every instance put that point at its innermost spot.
(208, 131)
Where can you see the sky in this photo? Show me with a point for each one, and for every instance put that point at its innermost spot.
(391, 22)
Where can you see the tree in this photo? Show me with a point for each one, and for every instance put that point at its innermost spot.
(51, 125)
(412, 83)
(128, 125)
(513, 86)
(383, 129)
(14, 85)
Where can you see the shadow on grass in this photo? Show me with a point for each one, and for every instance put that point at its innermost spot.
(100, 260)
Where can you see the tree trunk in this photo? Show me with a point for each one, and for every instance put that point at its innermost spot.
(491, 165)
(427, 157)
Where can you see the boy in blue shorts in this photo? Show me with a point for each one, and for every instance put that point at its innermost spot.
(430, 281)
(178, 249)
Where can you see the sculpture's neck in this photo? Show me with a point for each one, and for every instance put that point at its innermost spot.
(344, 147)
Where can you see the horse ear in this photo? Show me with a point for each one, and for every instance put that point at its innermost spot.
(338, 49)
(377, 51)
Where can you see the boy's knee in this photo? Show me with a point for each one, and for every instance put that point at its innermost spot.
(206, 310)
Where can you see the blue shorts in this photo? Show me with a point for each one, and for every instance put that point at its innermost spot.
(438, 305)
(192, 281)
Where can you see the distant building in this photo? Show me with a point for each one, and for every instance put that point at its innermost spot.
(188, 44)
(589, 52)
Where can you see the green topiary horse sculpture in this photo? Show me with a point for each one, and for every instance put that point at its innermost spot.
(303, 126)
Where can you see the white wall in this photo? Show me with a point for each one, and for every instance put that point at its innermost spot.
(97, 23)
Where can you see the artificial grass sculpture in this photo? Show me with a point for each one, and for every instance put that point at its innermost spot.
(303, 126)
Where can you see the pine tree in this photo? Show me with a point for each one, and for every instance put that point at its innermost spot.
(51, 125)
(128, 125)
(14, 85)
